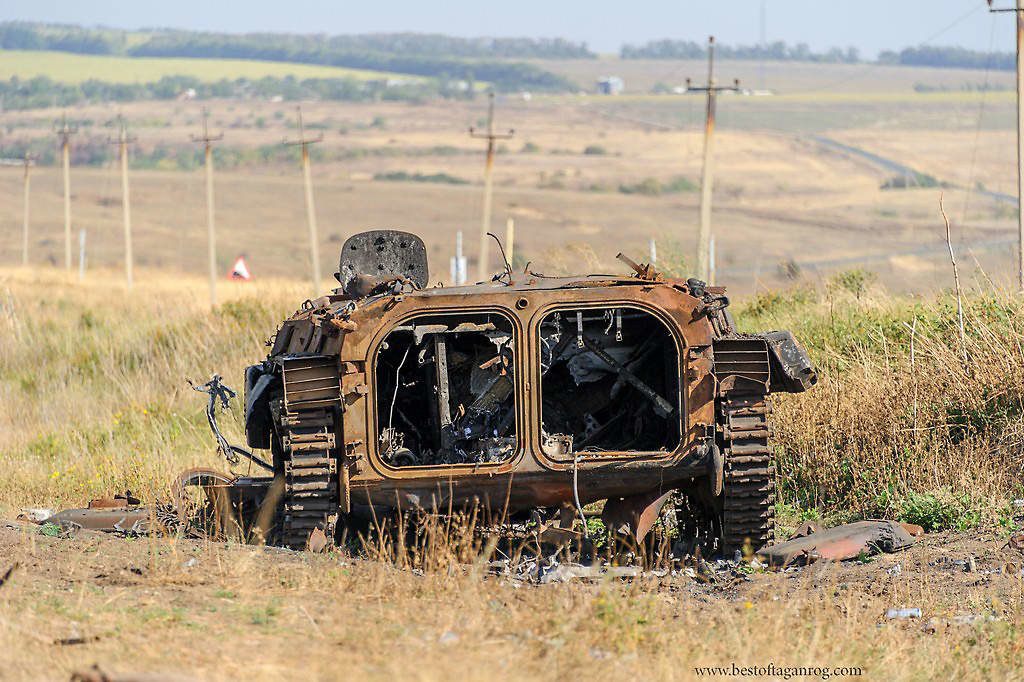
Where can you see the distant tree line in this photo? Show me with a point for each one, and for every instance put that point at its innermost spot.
(940, 57)
(42, 92)
(26, 36)
(779, 50)
(950, 57)
(503, 74)
(19, 35)
(409, 53)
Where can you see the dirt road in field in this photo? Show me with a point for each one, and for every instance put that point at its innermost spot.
(210, 611)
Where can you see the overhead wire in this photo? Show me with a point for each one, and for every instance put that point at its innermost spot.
(981, 116)
(871, 66)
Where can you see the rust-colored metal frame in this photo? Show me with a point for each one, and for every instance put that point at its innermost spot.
(525, 307)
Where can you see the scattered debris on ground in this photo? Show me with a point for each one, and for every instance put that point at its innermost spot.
(7, 574)
(848, 541)
(97, 674)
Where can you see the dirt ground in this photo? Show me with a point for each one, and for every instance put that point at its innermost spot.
(209, 611)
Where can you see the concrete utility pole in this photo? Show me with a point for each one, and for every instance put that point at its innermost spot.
(704, 234)
(211, 235)
(122, 142)
(485, 225)
(81, 255)
(1019, 11)
(26, 162)
(458, 262)
(510, 239)
(64, 132)
(314, 248)
(24, 231)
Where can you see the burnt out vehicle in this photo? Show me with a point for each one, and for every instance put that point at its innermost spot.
(531, 395)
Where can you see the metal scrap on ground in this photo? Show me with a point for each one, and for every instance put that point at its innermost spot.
(848, 541)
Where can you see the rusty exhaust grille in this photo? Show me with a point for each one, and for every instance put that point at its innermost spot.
(311, 382)
(747, 358)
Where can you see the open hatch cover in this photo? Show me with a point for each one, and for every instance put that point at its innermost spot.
(383, 254)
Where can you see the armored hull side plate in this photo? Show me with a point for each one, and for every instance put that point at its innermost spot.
(384, 254)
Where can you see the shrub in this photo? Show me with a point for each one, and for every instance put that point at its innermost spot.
(403, 176)
(939, 510)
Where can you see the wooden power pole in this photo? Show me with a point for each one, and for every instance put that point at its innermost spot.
(211, 234)
(485, 224)
(64, 132)
(314, 248)
(1019, 12)
(706, 182)
(122, 142)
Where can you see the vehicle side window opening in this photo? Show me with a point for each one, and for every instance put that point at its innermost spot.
(609, 382)
(446, 391)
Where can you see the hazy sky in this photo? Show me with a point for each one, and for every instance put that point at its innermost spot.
(871, 25)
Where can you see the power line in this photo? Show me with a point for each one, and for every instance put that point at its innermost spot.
(1019, 16)
(871, 66)
(981, 116)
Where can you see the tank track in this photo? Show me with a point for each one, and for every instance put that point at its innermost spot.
(311, 475)
(749, 477)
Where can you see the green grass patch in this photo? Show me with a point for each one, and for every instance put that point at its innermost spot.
(66, 67)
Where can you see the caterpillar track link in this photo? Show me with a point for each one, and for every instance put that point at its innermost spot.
(307, 427)
(311, 476)
(749, 478)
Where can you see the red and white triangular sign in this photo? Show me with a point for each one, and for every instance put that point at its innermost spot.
(239, 271)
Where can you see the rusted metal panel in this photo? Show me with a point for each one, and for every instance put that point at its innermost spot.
(635, 512)
(129, 520)
(842, 542)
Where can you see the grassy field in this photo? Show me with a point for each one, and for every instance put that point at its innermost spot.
(66, 67)
(93, 400)
(569, 177)
(640, 75)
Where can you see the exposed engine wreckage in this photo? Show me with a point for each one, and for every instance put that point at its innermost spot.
(529, 395)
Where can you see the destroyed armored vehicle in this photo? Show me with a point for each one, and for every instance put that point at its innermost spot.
(530, 395)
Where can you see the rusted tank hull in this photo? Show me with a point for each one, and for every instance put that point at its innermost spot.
(525, 392)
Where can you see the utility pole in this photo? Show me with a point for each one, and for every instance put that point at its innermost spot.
(122, 142)
(81, 255)
(704, 234)
(485, 225)
(24, 231)
(64, 132)
(458, 262)
(510, 239)
(1019, 11)
(314, 249)
(25, 161)
(211, 235)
